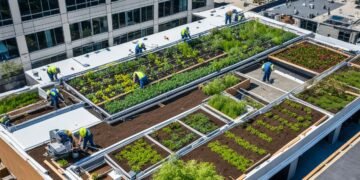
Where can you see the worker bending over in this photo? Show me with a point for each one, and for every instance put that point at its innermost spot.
(65, 135)
(228, 16)
(139, 48)
(86, 137)
(54, 95)
(267, 67)
(140, 78)
(239, 17)
(185, 34)
(5, 120)
(52, 72)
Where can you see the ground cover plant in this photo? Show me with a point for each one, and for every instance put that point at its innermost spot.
(174, 136)
(220, 84)
(200, 122)
(328, 94)
(178, 169)
(349, 76)
(235, 151)
(17, 101)
(138, 155)
(239, 43)
(311, 56)
(228, 106)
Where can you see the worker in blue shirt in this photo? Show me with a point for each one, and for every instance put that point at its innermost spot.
(86, 137)
(65, 135)
(267, 68)
(52, 72)
(140, 77)
(185, 34)
(54, 95)
(228, 16)
(139, 48)
(5, 120)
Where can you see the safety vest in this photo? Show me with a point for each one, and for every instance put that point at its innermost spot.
(84, 132)
(139, 74)
(184, 31)
(140, 44)
(53, 92)
(267, 67)
(67, 132)
(3, 119)
(52, 70)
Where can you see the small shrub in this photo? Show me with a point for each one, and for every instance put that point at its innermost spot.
(62, 162)
(228, 106)
(200, 122)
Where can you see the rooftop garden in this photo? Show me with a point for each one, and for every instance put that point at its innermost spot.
(176, 66)
(310, 56)
(17, 101)
(332, 94)
(202, 122)
(239, 149)
(138, 155)
(227, 105)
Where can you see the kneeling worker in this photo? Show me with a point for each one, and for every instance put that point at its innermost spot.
(54, 95)
(5, 120)
(185, 34)
(52, 72)
(86, 136)
(65, 135)
(139, 48)
(140, 77)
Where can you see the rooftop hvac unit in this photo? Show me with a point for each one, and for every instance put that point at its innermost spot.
(296, 11)
(277, 17)
(311, 15)
(312, 6)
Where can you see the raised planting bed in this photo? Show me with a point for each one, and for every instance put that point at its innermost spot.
(40, 108)
(244, 147)
(309, 57)
(356, 62)
(227, 106)
(138, 155)
(329, 95)
(350, 76)
(229, 82)
(202, 121)
(174, 136)
(238, 43)
(17, 101)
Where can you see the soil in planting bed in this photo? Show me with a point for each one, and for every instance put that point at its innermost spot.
(46, 109)
(212, 120)
(106, 135)
(356, 61)
(124, 162)
(279, 139)
(311, 56)
(174, 136)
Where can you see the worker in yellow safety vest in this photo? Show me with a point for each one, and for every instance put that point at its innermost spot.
(185, 34)
(54, 95)
(86, 137)
(5, 120)
(140, 77)
(52, 72)
(139, 48)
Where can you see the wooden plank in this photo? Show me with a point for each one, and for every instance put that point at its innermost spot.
(289, 144)
(354, 65)
(19, 167)
(321, 120)
(166, 77)
(352, 93)
(55, 170)
(333, 157)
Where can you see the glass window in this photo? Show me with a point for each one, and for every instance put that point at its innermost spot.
(44, 39)
(115, 20)
(172, 24)
(309, 25)
(48, 60)
(147, 13)
(88, 28)
(32, 9)
(89, 48)
(344, 36)
(72, 5)
(75, 31)
(5, 14)
(132, 17)
(133, 35)
(172, 7)
(85, 29)
(8, 49)
(100, 25)
(198, 3)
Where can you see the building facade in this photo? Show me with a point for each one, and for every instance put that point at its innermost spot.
(38, 32)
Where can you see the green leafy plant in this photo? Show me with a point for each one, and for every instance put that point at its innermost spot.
(231, 156)
(62, 163)
(268, 126)
(200, 122)
(174, 136)
(245, 144)
(227, 105)
(220, 84)
(258, 133)
(13, 102)
(177, 169)
(138, 154)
